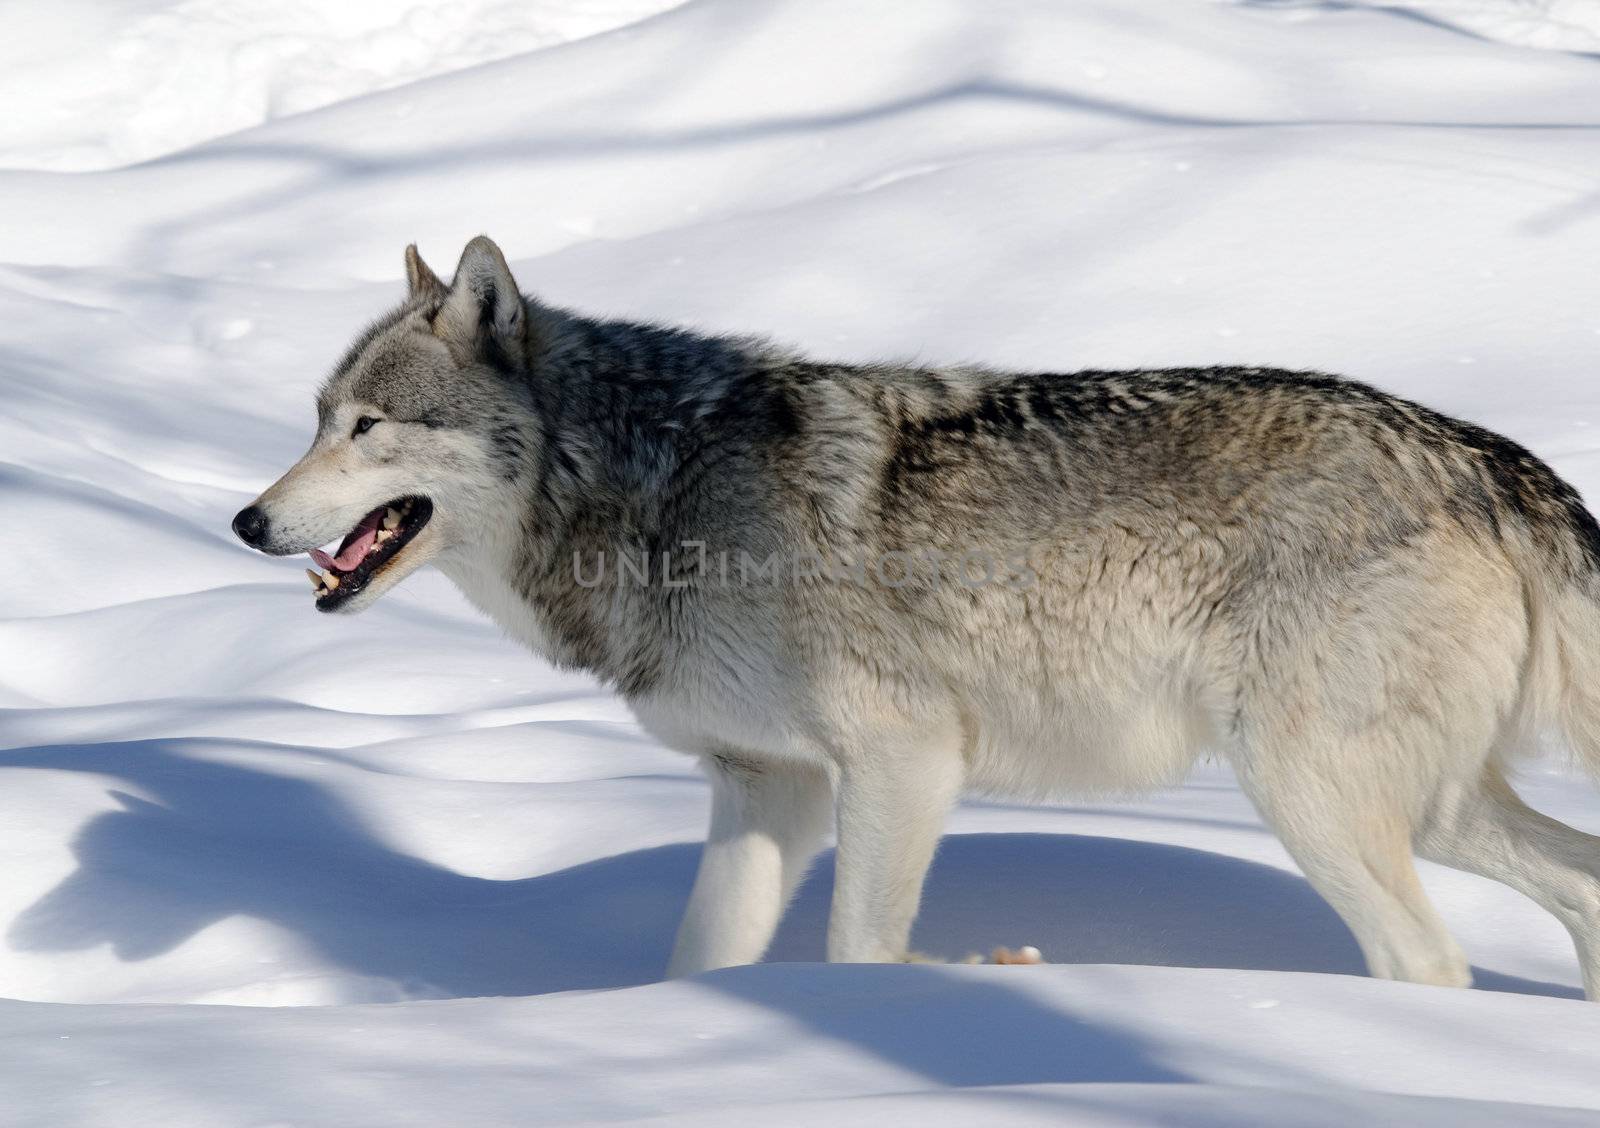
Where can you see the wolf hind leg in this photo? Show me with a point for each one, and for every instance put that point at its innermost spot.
(1485, 828)
(1353, 843)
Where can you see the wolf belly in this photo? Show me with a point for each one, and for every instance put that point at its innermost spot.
(1086, 737)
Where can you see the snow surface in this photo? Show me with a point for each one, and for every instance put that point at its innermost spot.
(111, 84)
(351, 829)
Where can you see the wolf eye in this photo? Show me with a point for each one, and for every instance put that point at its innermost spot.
(363, 425)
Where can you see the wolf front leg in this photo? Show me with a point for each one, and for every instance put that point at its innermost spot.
(767, 823)
(890, 806)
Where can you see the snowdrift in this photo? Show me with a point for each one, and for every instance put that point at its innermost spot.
(423, 879)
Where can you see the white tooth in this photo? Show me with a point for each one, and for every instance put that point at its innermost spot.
(391, 518)
(383, 535)
(331, 580)
(316, 578)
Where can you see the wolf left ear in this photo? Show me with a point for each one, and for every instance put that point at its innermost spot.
(483, 317)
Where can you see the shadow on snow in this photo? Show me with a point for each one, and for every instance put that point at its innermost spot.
(218, 840)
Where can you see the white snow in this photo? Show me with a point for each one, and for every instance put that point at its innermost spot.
(108, 84)
(1559, 25)
(356, 827)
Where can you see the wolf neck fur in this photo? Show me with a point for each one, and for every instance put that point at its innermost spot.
(626, 412)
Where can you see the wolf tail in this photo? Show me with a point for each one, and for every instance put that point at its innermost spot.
(1561, 682)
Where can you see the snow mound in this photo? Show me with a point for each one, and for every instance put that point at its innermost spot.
(343, 859)
(810, 1044)
(1556, 25)
(113, 84)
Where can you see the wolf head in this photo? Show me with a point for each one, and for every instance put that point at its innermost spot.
(419, 432)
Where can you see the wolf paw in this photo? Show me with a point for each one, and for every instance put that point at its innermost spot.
(1027, 954)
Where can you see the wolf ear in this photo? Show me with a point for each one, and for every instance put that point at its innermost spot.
(421, 282)
(483, 317)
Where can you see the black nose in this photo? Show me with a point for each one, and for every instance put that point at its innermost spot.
(251, 525)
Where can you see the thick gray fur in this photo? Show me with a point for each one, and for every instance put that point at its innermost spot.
(1369, 609)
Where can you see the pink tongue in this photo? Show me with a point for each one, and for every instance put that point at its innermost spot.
(355, 546)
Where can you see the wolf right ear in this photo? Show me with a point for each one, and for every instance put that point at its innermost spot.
(483, 318)
(422, 284)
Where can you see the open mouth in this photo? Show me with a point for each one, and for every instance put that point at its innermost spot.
(366, 550)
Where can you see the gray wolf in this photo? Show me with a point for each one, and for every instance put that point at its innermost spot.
(1367, 608)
